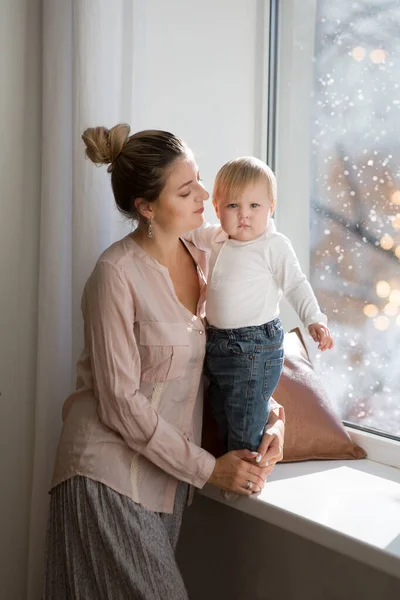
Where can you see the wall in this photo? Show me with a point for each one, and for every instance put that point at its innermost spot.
(20, 109)
(224, 553)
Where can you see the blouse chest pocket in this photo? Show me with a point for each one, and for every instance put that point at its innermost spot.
(164, 350)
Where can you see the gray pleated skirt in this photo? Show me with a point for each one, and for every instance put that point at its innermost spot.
(101, 545)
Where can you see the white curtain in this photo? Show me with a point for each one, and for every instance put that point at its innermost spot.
(88, 79)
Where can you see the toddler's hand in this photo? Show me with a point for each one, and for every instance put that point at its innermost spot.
(270, 450)
(321, 335)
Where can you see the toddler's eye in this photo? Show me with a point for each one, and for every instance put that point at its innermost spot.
(232, 205)
(254, 205)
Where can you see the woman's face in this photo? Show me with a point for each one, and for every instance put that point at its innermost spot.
(179, 207)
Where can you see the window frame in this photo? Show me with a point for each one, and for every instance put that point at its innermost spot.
(381, 446)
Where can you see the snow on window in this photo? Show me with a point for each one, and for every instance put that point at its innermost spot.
(355, 205)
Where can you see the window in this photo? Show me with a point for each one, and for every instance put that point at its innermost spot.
(336, 153)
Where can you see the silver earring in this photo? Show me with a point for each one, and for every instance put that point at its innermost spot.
(150, 233)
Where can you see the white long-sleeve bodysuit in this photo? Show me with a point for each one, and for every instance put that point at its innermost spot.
(248, 279)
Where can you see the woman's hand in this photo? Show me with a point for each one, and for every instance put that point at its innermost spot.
(234, 473)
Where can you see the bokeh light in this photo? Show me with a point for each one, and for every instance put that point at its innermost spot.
(377, 56)
(382, 323)
(383, 289)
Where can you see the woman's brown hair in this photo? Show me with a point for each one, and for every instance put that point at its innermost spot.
(138, 163)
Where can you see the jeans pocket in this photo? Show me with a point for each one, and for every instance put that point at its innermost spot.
(241, 347)
(271, 340)
(272, 373)
(229, 347)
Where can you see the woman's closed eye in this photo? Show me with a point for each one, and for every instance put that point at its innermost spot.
(199, 180)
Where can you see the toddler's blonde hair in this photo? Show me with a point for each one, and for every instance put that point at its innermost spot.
(237, 174)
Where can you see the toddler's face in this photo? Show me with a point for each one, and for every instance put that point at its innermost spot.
(247, 216)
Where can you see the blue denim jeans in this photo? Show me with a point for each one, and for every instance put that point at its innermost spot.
(243, 367)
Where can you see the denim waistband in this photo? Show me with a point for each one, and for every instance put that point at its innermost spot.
(269, 328)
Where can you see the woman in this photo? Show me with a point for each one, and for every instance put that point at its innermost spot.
(130, 444)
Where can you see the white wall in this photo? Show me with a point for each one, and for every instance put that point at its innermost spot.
(20, 141)
(198, 68)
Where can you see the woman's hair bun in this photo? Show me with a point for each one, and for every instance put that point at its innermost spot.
(103, 145)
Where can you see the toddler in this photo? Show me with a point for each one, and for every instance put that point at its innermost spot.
(251, 267)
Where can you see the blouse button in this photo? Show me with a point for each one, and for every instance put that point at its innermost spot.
(200, 333)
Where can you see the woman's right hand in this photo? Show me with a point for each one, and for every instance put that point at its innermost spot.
(232, 472)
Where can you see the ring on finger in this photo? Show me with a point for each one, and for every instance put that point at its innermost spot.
(248, 485)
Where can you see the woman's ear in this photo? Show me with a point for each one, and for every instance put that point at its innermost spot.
(144, 208)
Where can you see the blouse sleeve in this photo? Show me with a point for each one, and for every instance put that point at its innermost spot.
(203, 236)
(109, 316)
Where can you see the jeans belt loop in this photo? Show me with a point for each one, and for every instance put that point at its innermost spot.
(270, 329)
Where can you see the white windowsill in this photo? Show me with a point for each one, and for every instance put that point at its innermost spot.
(352, 507)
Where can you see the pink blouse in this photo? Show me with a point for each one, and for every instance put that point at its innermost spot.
(134, 422)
